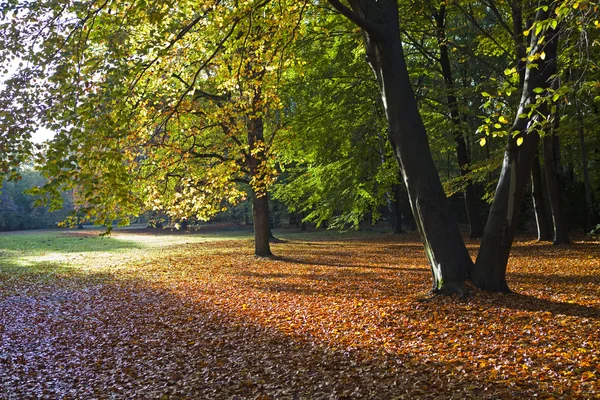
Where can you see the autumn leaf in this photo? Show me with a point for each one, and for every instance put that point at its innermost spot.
(196, 315)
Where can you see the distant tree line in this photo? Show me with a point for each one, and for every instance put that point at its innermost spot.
(17, 208)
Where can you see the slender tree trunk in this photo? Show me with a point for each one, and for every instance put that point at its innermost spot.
(398, 209)
(246, 219)
(492, 259)
(471, 201)
(561, 232)
(518, 39)
(589, 199)
(447, 254)
(539, 205)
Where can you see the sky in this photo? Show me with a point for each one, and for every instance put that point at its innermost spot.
(41, 134)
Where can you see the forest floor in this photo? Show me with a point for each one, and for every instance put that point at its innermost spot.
(333, 316)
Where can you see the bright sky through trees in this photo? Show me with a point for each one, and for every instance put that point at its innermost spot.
(42, 134)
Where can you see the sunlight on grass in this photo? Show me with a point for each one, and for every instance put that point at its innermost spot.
(87, 252)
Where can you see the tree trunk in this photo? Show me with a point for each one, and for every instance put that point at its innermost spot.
(539, 205)
(589, 199)
(561, 232)
(260, 199)
(262, 231)
(445, 249)
(471, 201)
(492, 259)
(398, 209)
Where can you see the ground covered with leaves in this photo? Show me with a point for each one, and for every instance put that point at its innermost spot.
(142, 315)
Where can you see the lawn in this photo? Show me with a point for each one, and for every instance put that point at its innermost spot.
(342, 316)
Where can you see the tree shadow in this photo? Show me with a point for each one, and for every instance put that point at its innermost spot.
(523, 302)
(341, 264)
(127, 339)
(555, 278)
(334, 280)
(576, 249)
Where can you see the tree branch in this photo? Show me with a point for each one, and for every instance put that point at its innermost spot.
(208, 155)
(371, 28)
(470, 17)
(200, 93)
(179, 36)
(499, 17)
(199, 70)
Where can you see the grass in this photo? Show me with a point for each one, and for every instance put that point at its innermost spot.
(44, 255)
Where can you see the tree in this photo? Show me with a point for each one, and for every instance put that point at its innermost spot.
(471, 201)
(379, 22)
(539, 205)
(17, 207)
(175, 106)
(448, 257)
(170, 107)
(492, 259)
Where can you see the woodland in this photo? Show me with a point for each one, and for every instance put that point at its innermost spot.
(465, 122)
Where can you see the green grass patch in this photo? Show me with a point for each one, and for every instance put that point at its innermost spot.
(86, 252)
(43, 242)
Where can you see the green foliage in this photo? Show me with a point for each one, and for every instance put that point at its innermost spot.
(17, 209)
(152, 102)
(337, 161)
(167, 108)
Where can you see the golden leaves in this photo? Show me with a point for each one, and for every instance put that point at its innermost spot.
(338, 315)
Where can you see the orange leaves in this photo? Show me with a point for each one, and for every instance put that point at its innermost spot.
(330, 316)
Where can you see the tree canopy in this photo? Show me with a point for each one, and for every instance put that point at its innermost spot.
(191, 107)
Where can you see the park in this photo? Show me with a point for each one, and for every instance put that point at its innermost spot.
(314, 199)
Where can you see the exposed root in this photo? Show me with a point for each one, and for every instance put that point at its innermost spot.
(448, 289)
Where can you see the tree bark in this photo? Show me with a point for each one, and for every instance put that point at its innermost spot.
(492, 259)
(539, 204)
(445, 249)
(471, 201)
(398, 209)
(260, 199)
(262, 231)
(589, 198)
(561, 231)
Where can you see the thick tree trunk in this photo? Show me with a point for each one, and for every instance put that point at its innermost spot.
(539, 204)
(561, 232)
(492, 259)
(471, 201)
(262, 231)
(447, 254)
(260, 199)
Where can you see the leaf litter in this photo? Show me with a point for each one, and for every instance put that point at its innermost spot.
(329, 318)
